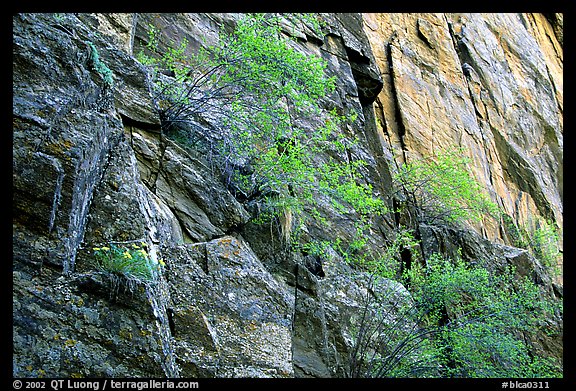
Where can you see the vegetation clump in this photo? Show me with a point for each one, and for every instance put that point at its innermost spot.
(540, 238)
(441, 189)
(128, 264)
(464, 321)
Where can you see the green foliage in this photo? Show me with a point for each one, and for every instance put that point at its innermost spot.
(464, 321)
(442, 189)
(255, 61)
(59, 17)
(516, 234)
(482, 319)
(101, 68)
(541, 238)
(130, 262)
(389, 338)
(388, 265)
(261, 88)
(544, 244)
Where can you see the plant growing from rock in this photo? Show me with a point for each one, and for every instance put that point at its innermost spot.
(544, 245)
(390, 338)
(485, 321)
(463, 321)
(389, 263)
(441, 189)
(128, 264)
(539, 237)
(259, 89)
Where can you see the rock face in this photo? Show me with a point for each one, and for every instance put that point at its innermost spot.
(489, 83)
(91, 168)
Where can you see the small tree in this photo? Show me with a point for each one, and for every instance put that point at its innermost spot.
(391, 339)
(461, 321)
(258, 89)
(545, 245)
(484, 320)
(539, 237)
(440, 188)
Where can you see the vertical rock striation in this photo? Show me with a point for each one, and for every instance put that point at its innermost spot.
(491, 83)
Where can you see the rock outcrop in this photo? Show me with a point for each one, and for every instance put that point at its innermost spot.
(92, 167)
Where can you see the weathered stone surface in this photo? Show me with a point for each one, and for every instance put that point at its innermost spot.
(231, 317)
(63, 129)
(358, 53)
(132, 96)
(478, 250)
(327, 319)
(69, 152)
(63, 329)
(200, 201)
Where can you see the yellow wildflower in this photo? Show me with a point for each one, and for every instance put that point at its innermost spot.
(96, 248)
(161, 262)
(127, 255)
(105, 249)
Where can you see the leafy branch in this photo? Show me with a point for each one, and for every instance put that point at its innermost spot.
(256, 88)
(441, 189)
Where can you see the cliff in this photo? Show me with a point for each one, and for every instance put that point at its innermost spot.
(92, 168)
(491, 83)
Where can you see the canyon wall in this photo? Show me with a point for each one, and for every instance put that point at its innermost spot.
(91, 167)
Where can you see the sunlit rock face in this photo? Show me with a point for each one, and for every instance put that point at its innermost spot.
(491, 83)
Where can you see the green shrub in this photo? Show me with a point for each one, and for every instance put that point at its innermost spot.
(544, 245)
(441, 189)
(483, 320)
(389, 338)
(539, 237)
(388, 264)
(260, 89)
(464, 321)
